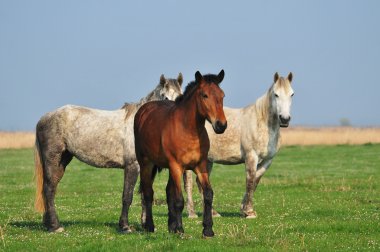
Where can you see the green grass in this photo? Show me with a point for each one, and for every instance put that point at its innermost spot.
(312, 199)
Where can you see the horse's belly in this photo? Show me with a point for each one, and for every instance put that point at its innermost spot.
(108, 158)
(226, 148)
(98, 151)
(225, 155)
(191, 159)
(101, 160)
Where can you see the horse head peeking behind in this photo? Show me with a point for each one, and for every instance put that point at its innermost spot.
(169, 90)
(173, 135)
(281, 100)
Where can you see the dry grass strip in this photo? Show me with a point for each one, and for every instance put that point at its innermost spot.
(290, 136)
(329, 136)
(16, 140)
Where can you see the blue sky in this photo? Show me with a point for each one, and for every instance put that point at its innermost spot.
(103, 53)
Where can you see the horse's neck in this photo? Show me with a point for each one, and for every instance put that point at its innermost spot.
(266, 115)
(131, 108)
(192, 121)
(152, 96)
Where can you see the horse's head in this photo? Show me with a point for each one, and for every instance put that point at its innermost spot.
(170, 89)
(282, 98)
(210, 100)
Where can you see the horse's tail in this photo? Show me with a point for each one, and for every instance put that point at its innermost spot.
(39, 202)
(154, 173)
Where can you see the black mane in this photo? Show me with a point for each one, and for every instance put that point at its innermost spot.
(209, 78)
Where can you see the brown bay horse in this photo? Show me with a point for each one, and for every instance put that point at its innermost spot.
(173, 135)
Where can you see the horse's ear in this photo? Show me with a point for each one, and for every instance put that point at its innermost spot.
(221, 76)
(276, 77)
(290, 77)
(162, 80)
(180, 79)
(198, 77)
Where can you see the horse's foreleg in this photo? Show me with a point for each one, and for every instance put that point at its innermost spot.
(175, 199)
(260, 172)
(208, 195)
(131, 173)
(146, 187)
(250, 169)
(209, 169)
(261, 169)
(188, 183)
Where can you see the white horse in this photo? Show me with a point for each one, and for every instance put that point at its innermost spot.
(97, 137)
(252, 137)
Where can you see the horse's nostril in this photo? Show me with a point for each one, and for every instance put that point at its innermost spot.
(166, 98)
(284, 119)
(220, 127)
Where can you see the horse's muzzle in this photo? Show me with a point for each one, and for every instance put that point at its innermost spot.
(220, 127)
(284, 121)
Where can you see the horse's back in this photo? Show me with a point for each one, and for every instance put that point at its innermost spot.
(152, 113)
(94, 136)
(149, 122)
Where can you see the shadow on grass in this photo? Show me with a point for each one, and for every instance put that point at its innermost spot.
(200, 214)
(31, 225)
(38, 226)
(230, 214)
(135, 226)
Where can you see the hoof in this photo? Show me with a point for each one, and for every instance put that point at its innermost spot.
(176, 230)
(149, 229)
(125, 230)
(58, 230)
(208, 234)
(179, 230)
(250, 215)
(193, 215)
(215, 214)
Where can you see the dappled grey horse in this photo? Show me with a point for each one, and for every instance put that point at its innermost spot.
(252, 137)
(97, 137)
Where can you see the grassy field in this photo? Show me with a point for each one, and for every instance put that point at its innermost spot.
(324, 198)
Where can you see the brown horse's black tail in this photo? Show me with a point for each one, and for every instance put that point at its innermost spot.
(156, 169)
(39, 202)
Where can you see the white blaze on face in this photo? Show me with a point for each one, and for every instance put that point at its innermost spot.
(283, 93)
(169, 93)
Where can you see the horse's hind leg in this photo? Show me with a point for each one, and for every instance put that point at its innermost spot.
(175, 199)
(146, 187)
(54, 168)
(131, 173)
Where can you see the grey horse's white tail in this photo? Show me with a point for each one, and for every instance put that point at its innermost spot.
(39, 202)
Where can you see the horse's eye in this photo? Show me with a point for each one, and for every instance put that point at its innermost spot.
(204, 95)
(292, 95)
(276, 95)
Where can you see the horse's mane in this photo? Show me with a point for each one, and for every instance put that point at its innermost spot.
(262, 107)
(263, 103)
(131, 107)
(190, 88)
